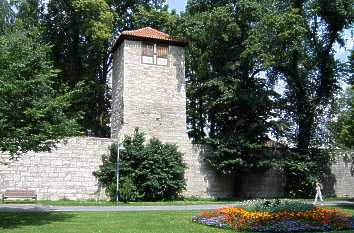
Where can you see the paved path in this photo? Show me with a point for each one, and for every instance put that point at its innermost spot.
(17, 208)
(42, 208)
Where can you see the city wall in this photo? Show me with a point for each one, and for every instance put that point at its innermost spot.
(66, 173)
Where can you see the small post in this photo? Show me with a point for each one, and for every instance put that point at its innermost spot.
(119, 147)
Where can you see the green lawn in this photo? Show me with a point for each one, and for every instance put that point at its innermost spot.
(127, 222)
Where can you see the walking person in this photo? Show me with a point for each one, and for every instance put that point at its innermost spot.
(318, 186)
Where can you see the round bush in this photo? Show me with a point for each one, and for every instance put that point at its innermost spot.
(155, 170)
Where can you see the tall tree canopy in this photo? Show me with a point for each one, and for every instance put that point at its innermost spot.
(80, 31)
(343, 128)
(229, 102)
(294, 41)
(31, 110)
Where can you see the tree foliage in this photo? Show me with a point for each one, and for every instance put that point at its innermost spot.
(229, 102)
(160, 19)
(303, 169)
(294, 42)
(343, 127)
(152, 171)
(31, 110)
(80, 31)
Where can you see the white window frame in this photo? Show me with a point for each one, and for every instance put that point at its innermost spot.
(155, 59)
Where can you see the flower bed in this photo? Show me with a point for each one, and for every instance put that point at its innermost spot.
(274, 218)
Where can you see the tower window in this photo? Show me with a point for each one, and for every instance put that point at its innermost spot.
(161, 51)
(154, 54)
(148, 49)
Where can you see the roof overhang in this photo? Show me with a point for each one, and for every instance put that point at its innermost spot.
(173, 41)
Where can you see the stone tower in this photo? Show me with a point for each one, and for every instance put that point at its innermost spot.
(149, 86)
(149, 92)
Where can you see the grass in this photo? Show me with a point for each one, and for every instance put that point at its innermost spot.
(110, 222)
(123, 222)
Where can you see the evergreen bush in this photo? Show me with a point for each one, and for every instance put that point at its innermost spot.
(156, 169)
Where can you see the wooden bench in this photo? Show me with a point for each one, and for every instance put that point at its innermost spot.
(19, 194)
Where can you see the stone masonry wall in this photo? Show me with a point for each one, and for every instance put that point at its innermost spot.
(66, 172)
(267, 184)
(340, 182)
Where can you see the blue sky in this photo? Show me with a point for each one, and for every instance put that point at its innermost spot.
(179, 5)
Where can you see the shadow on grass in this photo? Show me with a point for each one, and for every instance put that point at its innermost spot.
(16, 220)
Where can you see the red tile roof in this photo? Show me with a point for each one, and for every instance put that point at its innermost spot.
(148, 34)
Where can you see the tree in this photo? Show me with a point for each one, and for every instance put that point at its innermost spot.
(229, 103)
(31, 110)
(80, 31)
(294, 43)
(159, 19)
(343, 128)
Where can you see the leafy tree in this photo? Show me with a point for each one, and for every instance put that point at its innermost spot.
(159, 19)
(31, 110)
(195, 6)
(152, 171)
(229, 103)
(302, 170)
(294, 42)
(343, 128)
(80, 31)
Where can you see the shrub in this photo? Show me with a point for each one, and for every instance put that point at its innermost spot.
(302, 169)
(128, 191)
(155, 169)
